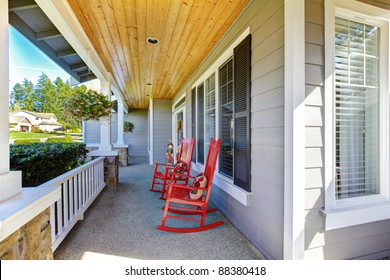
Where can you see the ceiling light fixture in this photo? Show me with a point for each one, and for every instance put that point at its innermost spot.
(153, 41)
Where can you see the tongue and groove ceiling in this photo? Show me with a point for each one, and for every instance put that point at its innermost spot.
(187, 31)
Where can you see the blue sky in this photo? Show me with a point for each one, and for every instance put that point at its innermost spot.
(28, 62)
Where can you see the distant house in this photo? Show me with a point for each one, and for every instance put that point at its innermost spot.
(19, 123)
(42, 121)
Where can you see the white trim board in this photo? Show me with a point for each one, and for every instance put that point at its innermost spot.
(294, 121)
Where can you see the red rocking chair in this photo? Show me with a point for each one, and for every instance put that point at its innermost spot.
(162, 172)
(185, 200)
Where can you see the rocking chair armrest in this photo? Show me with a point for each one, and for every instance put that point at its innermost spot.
(181, 175)
(159, 166)
(163, 164)
(187, 187)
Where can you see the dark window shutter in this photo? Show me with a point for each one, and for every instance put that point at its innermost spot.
(193, 118)
(242, 84)
(200, 122)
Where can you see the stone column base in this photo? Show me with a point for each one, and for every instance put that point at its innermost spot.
(111, 170)
(123, 154)
(111, 166)
(31, 242)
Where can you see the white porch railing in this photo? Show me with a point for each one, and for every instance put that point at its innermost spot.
(79, 188)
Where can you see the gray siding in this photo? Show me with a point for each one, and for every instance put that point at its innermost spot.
(262, 221)
(92, 132)
(314, 59)
(345, 243)
(137, 140)
(162, 128)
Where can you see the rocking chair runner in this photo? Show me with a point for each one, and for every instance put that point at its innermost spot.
(162, 172)
(183, 201)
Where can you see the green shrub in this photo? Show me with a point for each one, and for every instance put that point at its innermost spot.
(27, 141)
(128, 126)
(76, 130)
(41, 162)
(36, 130)
(66, 139)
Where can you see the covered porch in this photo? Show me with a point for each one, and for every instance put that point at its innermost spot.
(122, 222)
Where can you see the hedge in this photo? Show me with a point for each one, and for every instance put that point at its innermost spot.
(27, 141)
(67, 139)
(41, 162)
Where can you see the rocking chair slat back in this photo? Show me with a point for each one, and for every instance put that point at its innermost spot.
(186, 151)
(162, 171)
(211, 163)
(180, 203)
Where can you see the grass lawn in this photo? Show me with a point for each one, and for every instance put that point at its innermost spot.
(29, 135)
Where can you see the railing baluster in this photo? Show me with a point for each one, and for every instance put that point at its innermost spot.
(93, 179)
(65, 204)
(80, 191)
(59, 214)
(84, 188)
(75, 195)
(79, 187)
(71, 199)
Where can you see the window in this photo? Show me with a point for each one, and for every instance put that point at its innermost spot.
(210, 110)
(193, 118)
(356, 108)
(356, 111)
(200, 122)
(223, 106)
(227, 124)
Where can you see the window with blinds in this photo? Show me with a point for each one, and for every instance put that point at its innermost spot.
(200, 122)
(226, 120)
(356, 108)
(210, 110)
(193, 119)
(223, 105)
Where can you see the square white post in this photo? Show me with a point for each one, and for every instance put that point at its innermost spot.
(294, 131)
(120, 141)
(10, 182)
(105, 123)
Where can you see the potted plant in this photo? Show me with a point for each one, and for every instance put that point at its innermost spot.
(89, 105)
(128, 126)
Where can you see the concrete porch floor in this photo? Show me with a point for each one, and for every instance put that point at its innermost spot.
(122, 222)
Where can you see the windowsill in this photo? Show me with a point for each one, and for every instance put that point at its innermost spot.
(352, 216)
(227, 186)
(19, 209)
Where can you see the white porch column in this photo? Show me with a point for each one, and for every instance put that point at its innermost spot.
(120, 141)
(10, 182)
(105, 124)
(294, 131)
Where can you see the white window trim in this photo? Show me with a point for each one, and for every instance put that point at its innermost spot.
(360, 210)
(183, 95)
(182, 109)
(224, 183)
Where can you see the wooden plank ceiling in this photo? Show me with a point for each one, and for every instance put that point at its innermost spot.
(187, 30)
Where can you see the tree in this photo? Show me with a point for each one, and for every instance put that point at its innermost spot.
(47, 97)
(45, 91)
(63, 92)
(23, 97)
